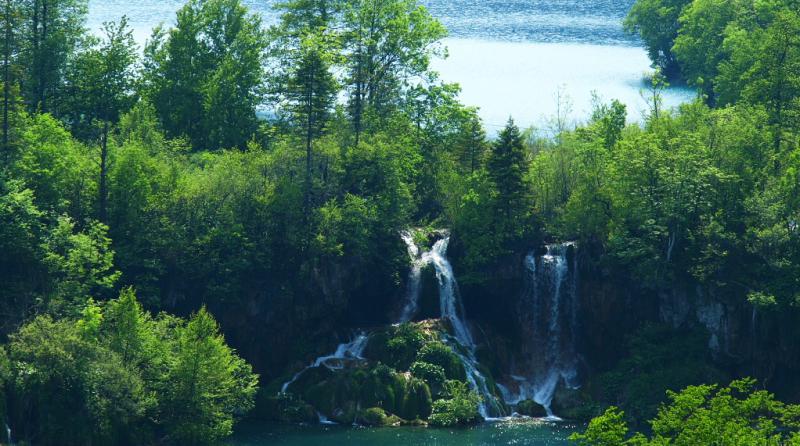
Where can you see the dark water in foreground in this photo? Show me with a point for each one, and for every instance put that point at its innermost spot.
(516, 433)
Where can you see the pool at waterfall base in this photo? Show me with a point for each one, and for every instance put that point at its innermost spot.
(517, 432)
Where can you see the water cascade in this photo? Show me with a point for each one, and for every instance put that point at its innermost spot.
(353, 349)
(549, 307)
(348, 351)
(451, 311)
(414, 278)
(8, 434)
(324, 420)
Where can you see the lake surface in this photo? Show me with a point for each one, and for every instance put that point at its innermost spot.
(529, 433)
(511, 57)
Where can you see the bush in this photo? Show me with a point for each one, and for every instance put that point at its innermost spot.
(440, 354)
(461, 407)
(117, 376)
(706, 414)
(430, 373)
(399, 347)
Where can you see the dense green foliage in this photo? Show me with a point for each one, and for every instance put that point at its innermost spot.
(263, 175)
(732, 50)
(460, 407)
(116, 375)
(707, 414)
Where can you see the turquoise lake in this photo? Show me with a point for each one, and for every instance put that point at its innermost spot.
(516, 433)
(512, 58)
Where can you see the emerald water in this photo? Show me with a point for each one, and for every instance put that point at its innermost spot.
(517, 433)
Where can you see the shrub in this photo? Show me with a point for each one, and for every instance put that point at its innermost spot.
(430, 373)
(460, 408)
(438, 353)
(404, 345)
(706, 414)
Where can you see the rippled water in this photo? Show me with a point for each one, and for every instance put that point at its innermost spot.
(531, 433)
(591, 21)
(511, 57)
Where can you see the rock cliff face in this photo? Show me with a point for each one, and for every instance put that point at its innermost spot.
(740, 340)
(279, 329)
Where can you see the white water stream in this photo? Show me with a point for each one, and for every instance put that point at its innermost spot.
(347, 351)
(550, 303)
(451, 311)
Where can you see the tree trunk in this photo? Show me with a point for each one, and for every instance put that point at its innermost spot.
(309, 141)
(6, 77)
(35, 58)
(103, 188)
(42, 74)
(358, 105)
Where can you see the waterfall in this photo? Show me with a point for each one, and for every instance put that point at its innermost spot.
(452, 311)
(323, 419)
(347, 351)
(8, 435)
(450, 307)
(550, 308)
(414, 278)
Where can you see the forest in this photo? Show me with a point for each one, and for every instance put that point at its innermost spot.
(186, 224)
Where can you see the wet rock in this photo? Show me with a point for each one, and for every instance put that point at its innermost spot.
(574, 404)
(284, 408)
(531, 408)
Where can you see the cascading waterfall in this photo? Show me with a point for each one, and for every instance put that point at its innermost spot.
(323, 419)
(8, 434)
(354, 348)
(451, 310)
(347, 351)
(550, 303)
(450, 307)
(414, 278)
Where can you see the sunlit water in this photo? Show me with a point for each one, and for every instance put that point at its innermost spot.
(511, 57)
(532, 433)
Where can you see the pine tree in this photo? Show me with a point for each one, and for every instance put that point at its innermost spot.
(208, 384)
(307, 51)
(101, 88)
(507, 166)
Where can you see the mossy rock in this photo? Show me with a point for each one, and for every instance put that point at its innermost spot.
(322, 396)
(283, 408)
(574, 404)
(309, 378)
(347, 414)
(374, 416)
(417, 400)
(429, 302)
(415, 423)
(531, 408)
